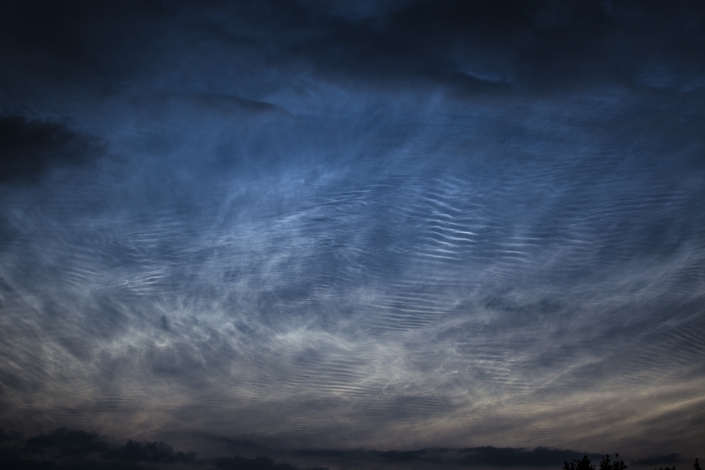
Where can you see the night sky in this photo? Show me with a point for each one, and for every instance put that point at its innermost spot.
(352, 234)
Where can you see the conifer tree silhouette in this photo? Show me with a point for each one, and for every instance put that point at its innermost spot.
(582, 464)
(607, 464)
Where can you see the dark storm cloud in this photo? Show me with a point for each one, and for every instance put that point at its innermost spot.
(486, 456)
(68, 442)
(28, 149)
(508, 457)
(659, 460)
(73, 41)
(258, 463)
(234, 442)
(77, 449)
(148, 452)
(26, 464)
(481, 46)
(9, 436)
(65, 446)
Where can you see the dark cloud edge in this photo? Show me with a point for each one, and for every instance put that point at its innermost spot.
(483, 46)
(30, 149)
(80, 450)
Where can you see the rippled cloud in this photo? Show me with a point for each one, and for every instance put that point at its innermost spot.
(388, 225)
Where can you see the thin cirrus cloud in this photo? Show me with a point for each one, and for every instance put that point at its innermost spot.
(395, 226)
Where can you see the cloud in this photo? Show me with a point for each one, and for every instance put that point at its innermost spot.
(65, 443)
(659, 460)
(403, 456)
(147, 452)
(257, 463)
(68, 442)
(9, 436)
(398, 225)
(80, 449)
(483, 46)
(472, 47)
(29, 149)
(234, 442)
(78, 41)
(510, 457)
(25, 464)
(486, 456)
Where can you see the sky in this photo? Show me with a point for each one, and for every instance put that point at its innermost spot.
(352, 234)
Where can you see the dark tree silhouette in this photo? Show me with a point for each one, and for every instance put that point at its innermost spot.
(607, 464)
(696, 466)
(582, 464)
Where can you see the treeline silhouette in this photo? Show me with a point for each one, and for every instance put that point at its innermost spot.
(607, 464)
(70, 449)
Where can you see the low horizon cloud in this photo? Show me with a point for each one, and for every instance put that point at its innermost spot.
(67, 448)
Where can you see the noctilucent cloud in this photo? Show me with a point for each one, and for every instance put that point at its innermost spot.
(318, 229)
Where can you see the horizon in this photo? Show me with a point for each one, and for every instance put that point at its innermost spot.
(67, 448)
